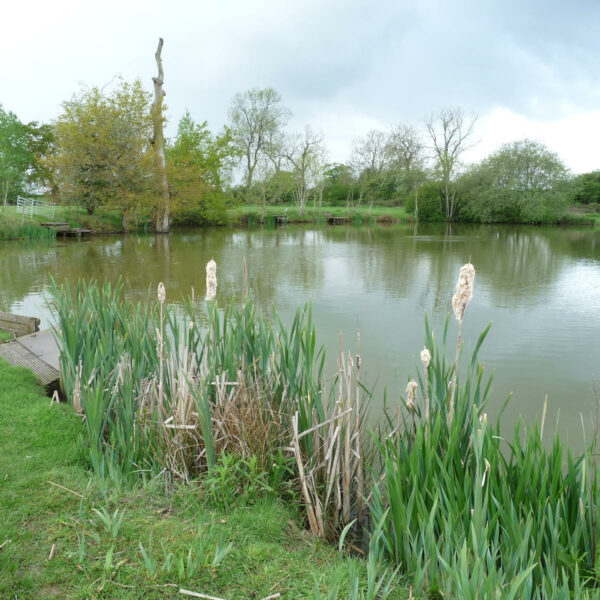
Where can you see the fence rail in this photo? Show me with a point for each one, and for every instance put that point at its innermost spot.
(32, 206)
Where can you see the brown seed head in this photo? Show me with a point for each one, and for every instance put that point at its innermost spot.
(211, 280)
(464, 290)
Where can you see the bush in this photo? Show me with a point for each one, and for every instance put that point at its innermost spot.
(429, 204)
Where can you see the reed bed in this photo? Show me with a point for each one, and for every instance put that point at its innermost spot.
(467, 513)
(445, 500)
(25, 231)
(169, 394)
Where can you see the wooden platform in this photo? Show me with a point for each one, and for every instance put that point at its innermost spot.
(38, 352)
(66, 229)
(18, 325)
(334, 220)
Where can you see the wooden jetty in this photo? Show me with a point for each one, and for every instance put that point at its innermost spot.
(65, 229)
(281, 219)
(335, 220)
(37, 351)
(18, 325)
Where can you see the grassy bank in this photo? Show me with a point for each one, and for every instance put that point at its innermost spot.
(63, 534)
(358, 215)
(15, 226)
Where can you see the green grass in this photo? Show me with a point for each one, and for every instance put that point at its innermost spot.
(14, 226)
(364, 214)
(5, 336)
(98, 534)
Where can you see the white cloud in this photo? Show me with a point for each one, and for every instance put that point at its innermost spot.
(529, 69)
(574, 137)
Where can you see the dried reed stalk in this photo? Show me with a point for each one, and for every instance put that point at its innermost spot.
(331, 478)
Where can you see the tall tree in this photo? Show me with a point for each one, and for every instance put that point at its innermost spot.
(163, 208)
(40, 141)
(101, 147)
(196, 145)
(370, 159)
(257, 117)
(199, 165)
(449, 131)
(370, 153)
(407, 162)
(15, 155)
(305, 154)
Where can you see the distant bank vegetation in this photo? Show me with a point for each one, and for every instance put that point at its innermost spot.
(98, 154)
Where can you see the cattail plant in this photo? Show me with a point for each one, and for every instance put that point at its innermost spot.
(162, 296)
(211, 280)
(426, 359)
(464, 293)
(411, 405)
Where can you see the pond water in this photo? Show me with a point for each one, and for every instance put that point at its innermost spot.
(539, 286)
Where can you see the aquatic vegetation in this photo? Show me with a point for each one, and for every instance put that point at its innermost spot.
(240, 402)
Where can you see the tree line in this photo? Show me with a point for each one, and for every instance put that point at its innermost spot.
(100, 153)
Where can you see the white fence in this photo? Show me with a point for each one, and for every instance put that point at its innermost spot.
(32, 206)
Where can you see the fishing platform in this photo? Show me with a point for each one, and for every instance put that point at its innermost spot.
(31, 348)
(65, 229)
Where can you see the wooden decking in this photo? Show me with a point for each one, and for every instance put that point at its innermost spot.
(337, 220)
(18, 325)
(66, 229)
(38, 352)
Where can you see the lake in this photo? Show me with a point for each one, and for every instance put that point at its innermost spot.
(539, 286)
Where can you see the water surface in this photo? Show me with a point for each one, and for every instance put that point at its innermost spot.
(539, 286)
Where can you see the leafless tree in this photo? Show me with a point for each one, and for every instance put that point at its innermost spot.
(449, 131)
(370, 153)
(405, 148)
(305, 154)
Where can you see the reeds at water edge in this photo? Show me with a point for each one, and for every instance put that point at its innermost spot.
(453, 503)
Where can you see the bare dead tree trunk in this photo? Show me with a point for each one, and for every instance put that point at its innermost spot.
(163, 213)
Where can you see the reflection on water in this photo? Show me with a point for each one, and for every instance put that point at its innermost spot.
(539, 286)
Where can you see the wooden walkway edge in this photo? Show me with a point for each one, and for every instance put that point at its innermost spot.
(38, 352)
(65, 229)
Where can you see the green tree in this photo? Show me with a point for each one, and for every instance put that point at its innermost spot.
(15, 156)
(523, 182)
(40, 142)
(257, 118)
(426, 205)
(585, 188)
(199, 168)
(339, 185)
(102, 153)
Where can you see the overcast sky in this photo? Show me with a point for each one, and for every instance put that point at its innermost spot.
(526, 68)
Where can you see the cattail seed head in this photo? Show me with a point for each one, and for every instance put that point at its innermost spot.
(411, 386)
(425, 357)
(211, 280)
(162, 294)
(464, 290)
